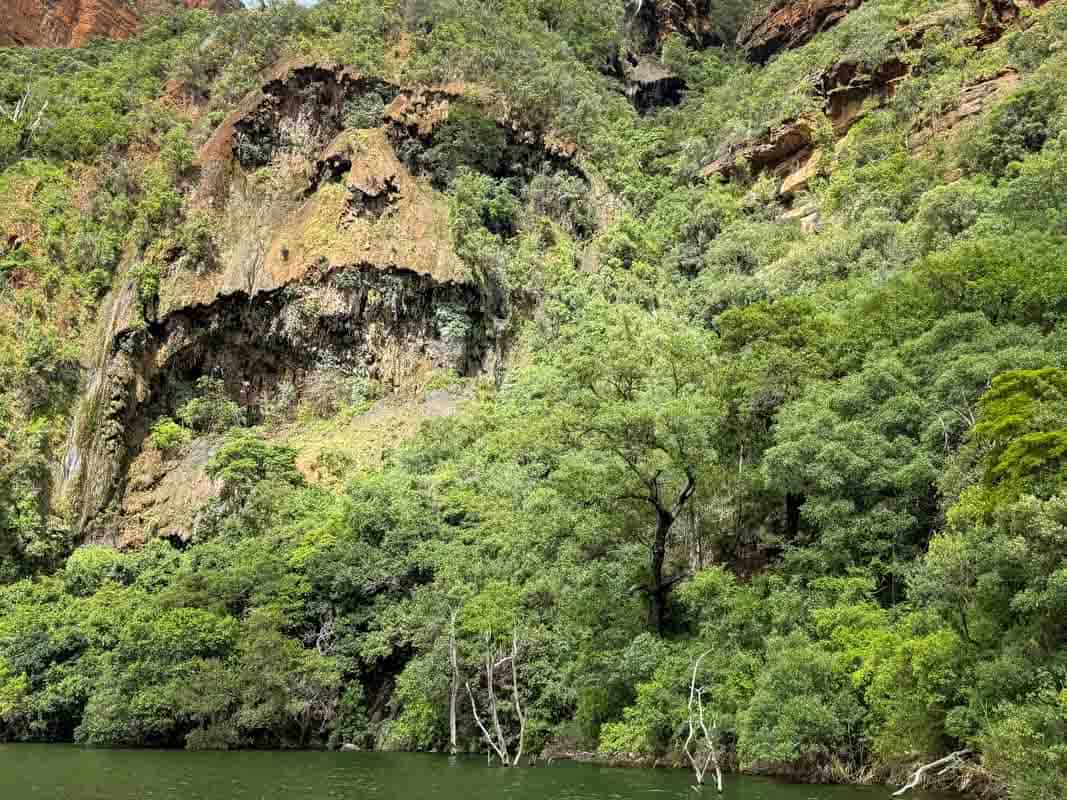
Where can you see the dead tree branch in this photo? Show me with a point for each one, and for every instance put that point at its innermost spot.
(453, 699)
(949, 761)
(696, 718)
(498, 743)
(515, 691)
(16, 113)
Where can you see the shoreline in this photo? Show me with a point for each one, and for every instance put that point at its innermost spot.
(973, 782)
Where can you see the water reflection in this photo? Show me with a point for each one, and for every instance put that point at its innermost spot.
(58, 772)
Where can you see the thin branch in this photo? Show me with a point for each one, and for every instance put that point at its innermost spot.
(489, 739)
(454, 694)
(515, 691)
(493, 710)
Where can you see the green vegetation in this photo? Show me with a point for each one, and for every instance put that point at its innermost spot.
(837, 460)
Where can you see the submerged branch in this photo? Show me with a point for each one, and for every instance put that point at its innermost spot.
(952, 759)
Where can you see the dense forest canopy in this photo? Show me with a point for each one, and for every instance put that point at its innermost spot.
(809, 419)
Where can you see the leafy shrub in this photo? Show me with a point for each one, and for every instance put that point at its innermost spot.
(1014, 129)
(1028, 742)
(159, 207)
(168, 436)
(364, 111)
(89, 567)
(211, 411)
(563, 198)
(818, 718)
(177, 152)
(468, 138)
(246, 459)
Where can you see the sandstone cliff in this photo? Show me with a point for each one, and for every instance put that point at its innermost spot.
(786, 24)
(333, 252)
(73, 23)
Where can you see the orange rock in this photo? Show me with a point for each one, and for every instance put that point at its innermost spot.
(781, 152)
(790, 23)
(973, 100)
(73, 23)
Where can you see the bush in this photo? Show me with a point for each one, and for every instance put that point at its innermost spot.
(563, 198)
(468, 138)
(89, 567)
(1028, 743)
(1017, 127)
(212, 411)
(364, 111)
(802, 708)
(246, 459)
(168, 436)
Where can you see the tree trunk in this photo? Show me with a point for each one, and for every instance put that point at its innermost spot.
(951, 760)
(454, 698)
(793, 502)
(660, 589)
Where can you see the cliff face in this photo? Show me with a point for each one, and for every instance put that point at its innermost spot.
(333, 255)
(73, 23)
(786, 24)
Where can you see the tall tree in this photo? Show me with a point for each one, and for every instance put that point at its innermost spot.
(627, 392)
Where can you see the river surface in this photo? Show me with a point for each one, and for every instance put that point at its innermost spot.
(62, 772)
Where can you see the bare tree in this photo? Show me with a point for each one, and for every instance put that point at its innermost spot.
(515, 693)
(497, 740)
(696, 719)
(19, 114)
(949, 762)
(453, 699)
(19, 111)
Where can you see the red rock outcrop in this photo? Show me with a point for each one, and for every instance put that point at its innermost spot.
(849, 89)
(790, 23)
(997, 17)
(973, 100)
(73, 23)
(779, 152)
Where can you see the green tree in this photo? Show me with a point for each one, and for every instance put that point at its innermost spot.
(626, 393)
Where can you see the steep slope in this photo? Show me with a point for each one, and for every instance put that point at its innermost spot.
(330, 257)
(345, 348)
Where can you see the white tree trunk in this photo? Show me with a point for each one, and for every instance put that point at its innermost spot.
(515, 691)
(453, 699)
(696, 718)
(501, 754)
(949, 761)
(497, 741)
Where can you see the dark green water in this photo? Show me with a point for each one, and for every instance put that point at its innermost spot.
(59, 772)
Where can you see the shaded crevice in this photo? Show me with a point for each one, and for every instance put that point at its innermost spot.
(314, 97)
(361, 203)
(651, 85)
(360, 320)
(503, 152)
(331, 169)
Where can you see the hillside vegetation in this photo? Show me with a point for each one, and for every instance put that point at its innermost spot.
(806, 413)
